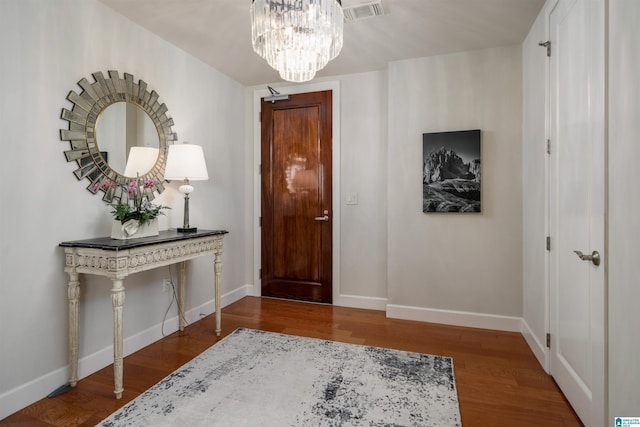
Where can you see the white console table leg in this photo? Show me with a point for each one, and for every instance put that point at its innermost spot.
(73, 292)
(182, 279)
(218, 271)
(117, 300)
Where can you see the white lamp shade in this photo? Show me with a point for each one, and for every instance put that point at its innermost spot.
(140, 160)
(186, 161)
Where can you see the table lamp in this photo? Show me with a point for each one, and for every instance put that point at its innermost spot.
(186, 162)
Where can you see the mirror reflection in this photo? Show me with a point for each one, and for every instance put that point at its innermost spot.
(127, 138)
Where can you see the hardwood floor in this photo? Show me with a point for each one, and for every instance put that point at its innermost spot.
(500, 383)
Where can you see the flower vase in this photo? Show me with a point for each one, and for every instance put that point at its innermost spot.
(132, 229)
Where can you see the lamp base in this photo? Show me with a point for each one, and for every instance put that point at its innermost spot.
(187, 230)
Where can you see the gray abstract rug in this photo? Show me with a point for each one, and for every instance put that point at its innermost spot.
(256, 378)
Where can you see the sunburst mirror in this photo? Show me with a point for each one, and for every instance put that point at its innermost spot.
(110, 119)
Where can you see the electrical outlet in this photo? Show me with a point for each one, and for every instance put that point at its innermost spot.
(166, 285)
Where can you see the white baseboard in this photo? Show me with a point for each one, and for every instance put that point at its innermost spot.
(235, 295)
(26, 394)
(536, 346)
(354, 301)
(456, 318)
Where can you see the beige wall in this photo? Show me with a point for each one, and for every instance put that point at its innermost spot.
(624, 208)
(469, 263)
(364, 171)
(48, 46)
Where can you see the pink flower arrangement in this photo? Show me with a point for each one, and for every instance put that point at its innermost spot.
(138, 207)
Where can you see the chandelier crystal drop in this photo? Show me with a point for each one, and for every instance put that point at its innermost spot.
(297, 37)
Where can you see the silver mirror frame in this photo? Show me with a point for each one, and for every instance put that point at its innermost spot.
(82, 118)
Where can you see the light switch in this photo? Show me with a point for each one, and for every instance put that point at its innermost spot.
(352, 198)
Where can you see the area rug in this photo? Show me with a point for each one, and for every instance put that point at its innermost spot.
(257, 378)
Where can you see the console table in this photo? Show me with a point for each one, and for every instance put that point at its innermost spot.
(117, 259)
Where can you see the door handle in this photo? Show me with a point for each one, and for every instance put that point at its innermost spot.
(594, 257)
(324, 218)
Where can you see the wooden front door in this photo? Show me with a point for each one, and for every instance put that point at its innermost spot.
(296, 184)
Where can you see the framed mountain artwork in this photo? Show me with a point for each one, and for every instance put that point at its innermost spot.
(451, 171)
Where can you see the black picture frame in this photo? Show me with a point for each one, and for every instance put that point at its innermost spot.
(451, 171)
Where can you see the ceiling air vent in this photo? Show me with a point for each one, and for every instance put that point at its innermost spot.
(362, 11)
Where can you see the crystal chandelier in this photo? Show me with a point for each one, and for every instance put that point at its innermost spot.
(297, 37)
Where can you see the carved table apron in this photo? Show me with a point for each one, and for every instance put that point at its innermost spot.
(117, 259)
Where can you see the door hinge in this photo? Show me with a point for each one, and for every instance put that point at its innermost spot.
(260, 169)
(260, 116)
(548, 243)
(546, 44)
(260, 222)
(260, 276)
(548, 340)
(548, 146)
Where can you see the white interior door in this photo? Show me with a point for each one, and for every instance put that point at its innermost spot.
(577, 180)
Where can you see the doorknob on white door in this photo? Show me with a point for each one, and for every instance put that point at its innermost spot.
(594, 257)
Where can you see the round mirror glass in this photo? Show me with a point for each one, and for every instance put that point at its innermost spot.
(127, 139)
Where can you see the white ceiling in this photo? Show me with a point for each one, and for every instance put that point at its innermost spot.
(218, 31)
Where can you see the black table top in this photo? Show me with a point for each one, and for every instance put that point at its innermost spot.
(108, 243)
